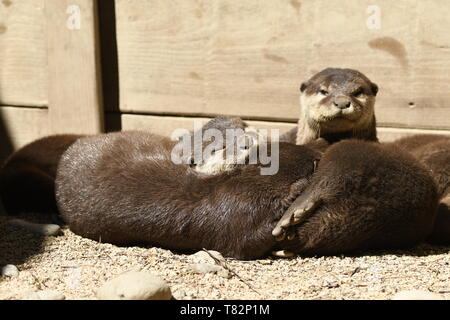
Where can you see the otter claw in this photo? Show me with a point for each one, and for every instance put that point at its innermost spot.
(280, 237)
(297, 213)
(278, 233)
(290, 235)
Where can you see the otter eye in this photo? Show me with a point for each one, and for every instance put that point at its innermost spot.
(323, 92)
(358, 93)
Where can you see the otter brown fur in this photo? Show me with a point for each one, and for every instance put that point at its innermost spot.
(27, 178)
(123, 188)
(364, 195)
(221, 124)
(335, 104)
(434, 152)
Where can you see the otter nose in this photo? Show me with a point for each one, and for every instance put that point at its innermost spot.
(341, 102)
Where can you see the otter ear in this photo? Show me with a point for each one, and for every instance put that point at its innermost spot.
(303, 86)
(374, 89)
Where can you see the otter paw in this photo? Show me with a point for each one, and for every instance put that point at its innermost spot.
(301, 213)
(295, 214)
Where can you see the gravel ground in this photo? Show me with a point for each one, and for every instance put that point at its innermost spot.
(77, 267)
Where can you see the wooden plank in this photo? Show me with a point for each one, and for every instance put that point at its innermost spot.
(75, 104)
(410, 69)
(161, 53)
(392, 134)
(247, 58)
(165, 125)
(19, 126)
(23, 53)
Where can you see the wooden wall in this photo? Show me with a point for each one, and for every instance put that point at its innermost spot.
(167, 63)
(248, 58)
(49, 73)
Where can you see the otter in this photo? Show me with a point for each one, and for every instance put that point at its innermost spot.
(123, 188)
(364, 195)
(27, 178)
(335, 104)
(433, 151)
(206, 135)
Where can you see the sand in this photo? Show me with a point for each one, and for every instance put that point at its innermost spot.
(77, 267)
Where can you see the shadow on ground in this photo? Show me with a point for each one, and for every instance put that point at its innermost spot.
(17, 245)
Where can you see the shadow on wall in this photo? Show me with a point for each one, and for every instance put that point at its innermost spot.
(6, 148)
(109, 64)
(5, 140)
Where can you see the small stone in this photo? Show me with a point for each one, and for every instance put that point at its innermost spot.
(205, 257)
(9, 270)
(209, 262)
(416, 295)
(135, 286)
(179, 294)
(44, 295)
(211, 268)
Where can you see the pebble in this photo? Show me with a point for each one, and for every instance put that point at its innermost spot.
(211, 268)
(42, 229)
(9, 270)
(204, 257)
(416, 295)
(135, 286)
(44, 295)
(202, 262)
(179, 294)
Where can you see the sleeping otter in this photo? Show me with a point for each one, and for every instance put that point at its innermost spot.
(123, 188)
(433, 151)
(335, 104)
(27, 178)
(364, 195)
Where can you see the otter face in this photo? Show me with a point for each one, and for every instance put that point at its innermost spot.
(338, 100)
(243, 148)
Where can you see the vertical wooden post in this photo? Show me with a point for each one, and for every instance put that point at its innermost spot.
(74, 87)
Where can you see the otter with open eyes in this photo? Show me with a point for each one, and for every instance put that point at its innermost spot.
(335, 104)
(123, 188)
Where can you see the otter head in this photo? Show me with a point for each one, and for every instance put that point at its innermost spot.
(243, 148)
(222, 144)
(337, 101)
